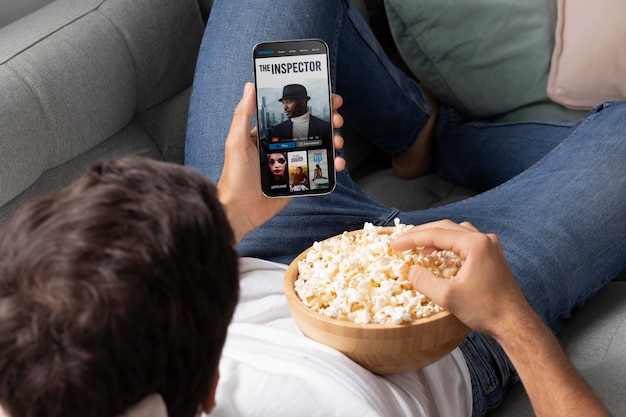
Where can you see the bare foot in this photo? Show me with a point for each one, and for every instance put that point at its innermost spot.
(418, 159)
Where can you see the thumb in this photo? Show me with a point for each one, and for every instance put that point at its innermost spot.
(240, 126)
(428, 284)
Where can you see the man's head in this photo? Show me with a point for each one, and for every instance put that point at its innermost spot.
(119, 286)
(295, 99)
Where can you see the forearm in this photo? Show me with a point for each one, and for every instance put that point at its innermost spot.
(553, 385)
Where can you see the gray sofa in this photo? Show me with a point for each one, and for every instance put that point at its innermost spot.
(85, 80)
(90, 79)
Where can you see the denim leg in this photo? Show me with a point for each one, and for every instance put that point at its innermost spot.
(562, 222)
(380, 100)
(491, 372)
(562, 225)
(480, 155)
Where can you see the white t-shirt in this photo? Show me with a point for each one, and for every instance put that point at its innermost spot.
(269, 368)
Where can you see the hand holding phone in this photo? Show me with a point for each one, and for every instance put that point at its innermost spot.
(294, 117)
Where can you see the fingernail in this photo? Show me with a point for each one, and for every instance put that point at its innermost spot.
(246, 89)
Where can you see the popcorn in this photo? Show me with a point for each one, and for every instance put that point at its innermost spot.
(359, 278)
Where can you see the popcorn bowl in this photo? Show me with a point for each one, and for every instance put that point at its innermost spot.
(380, 348)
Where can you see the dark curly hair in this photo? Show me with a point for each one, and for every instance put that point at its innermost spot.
(121, 285)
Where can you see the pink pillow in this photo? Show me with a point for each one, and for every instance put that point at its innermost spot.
(589, 57)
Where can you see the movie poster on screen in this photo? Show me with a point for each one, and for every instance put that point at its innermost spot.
(274, 73)
(318, 169)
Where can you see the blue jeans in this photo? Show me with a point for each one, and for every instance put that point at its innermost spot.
(555, 193)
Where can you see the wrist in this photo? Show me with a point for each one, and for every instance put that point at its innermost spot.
(236, 219)
(515, 324)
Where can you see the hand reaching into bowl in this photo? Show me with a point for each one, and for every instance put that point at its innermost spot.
(485, 296)
(483, 291)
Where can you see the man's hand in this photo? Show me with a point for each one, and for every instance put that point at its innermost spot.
(239, 187)
(484, 288)
(485, 296)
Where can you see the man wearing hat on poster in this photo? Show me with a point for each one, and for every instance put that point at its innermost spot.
(301, 124)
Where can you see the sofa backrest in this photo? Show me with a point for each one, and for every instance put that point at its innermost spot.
(12, 10)
(75, 72)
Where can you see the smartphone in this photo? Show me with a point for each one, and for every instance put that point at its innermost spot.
(294, 117)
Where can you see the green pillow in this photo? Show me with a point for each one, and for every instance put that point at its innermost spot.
(483, 57)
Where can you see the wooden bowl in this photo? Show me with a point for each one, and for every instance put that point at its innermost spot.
(380, 348)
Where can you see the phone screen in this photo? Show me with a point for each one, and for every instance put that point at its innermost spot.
(294, 117)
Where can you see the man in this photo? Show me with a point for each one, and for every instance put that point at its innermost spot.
(540, 182)
(301, 124)
(115, 292)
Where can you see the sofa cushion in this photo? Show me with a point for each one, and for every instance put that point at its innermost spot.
(164, 52)
(76, 72)
(13, 10)
(484, 58)
(132, 140)
(589, 59)
(415, 194)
